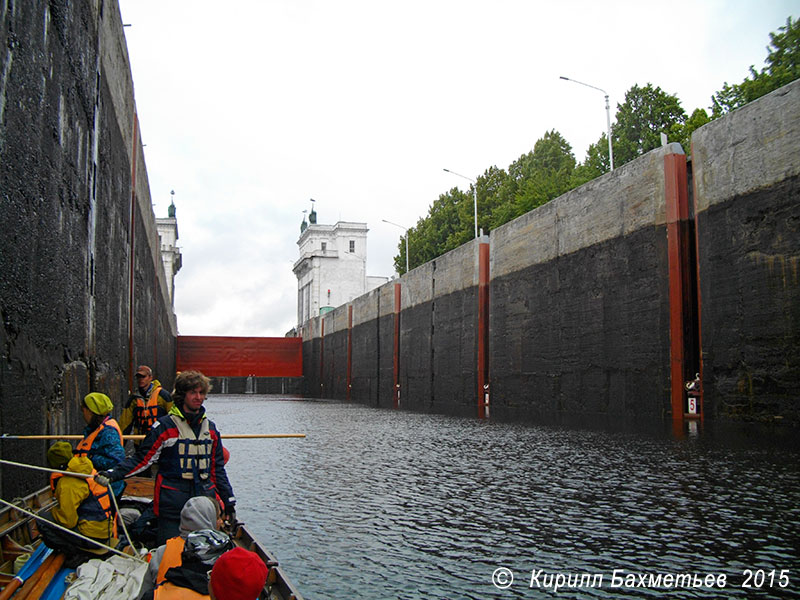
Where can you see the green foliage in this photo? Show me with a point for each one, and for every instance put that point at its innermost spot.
(783, 66)
(550, 169)
(646, 113)
(684, 134)
(441, 231)
(595, 164)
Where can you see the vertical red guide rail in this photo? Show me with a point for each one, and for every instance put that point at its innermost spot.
(322, 358)
(679, 257)
(349, 350)
(483, 330)
(396, 352)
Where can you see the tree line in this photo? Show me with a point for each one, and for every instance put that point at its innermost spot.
(550, 168)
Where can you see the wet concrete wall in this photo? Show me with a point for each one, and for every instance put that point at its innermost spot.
(594, 298)
(579, 301)
(79, 307)
(747, 193)
(434, 336)
(579, 320)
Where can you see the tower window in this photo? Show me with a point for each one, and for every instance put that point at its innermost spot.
(352, 245)
(324, 246)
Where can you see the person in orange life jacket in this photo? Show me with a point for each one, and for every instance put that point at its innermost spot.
(190, 580)
(149, 402)
(237, 575)
(102, 438)
(82, 505)
(187, 447)
(200, 512)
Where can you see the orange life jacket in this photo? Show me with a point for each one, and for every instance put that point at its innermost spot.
(145, 413)
(96, 506)
(85, 445)
(170, 591)
(171, 557)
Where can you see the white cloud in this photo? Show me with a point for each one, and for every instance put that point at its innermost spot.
(250, 108)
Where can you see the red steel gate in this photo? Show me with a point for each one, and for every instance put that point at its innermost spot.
(217, 356)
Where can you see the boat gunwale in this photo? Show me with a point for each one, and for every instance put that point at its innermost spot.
(140, 489)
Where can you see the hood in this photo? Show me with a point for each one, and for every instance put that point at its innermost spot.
(80, 464)
(175, 410)
(185, 576)
(198, 513)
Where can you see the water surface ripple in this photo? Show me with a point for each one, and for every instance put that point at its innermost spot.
(381, 504)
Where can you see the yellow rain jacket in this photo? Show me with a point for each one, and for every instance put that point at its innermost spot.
(71, 492)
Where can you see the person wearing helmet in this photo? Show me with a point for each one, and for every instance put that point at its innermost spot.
(190, 580)
(102, 437)
(187, 447)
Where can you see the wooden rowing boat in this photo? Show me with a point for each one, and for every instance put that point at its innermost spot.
(19, 535)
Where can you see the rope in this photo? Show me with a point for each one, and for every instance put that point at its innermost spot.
(75, 533)
(80, 476)
(45, 469)
(121, 520)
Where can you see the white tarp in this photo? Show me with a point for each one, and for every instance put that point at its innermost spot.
(115, 578)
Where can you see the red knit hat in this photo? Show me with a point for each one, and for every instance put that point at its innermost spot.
(238, 575)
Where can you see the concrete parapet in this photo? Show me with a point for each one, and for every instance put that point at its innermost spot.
(609, 207)
(751, 148)
(456, 270)
(747, 205)
(416, 286)
(365, 308)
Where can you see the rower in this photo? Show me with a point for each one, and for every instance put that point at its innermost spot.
(83, 506)
(190, 580)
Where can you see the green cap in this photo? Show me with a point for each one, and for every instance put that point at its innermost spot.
(59, 454)
(98, 403)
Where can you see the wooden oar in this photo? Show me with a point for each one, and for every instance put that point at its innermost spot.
(229, 436)
(29, 568)
(36, 585)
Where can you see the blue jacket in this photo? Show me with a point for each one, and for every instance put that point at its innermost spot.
(106, 453)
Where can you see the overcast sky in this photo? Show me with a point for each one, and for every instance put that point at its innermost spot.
(249, 108)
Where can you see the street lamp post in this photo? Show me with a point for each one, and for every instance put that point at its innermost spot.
(474, 195)
(608, 117)
(405, 235)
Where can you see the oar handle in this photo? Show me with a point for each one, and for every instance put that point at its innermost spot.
(230, 436)
(255, 436)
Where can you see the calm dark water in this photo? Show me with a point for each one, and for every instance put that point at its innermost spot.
(381, 504)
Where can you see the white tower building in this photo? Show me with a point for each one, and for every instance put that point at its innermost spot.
(170, 253)
(332, 268)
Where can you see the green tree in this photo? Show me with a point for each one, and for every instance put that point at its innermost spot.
(535, 178)
(439, 232)
(782, 67)
(532, 180)
(550, 169)
(646, 113)
(683, 134)
(595, 164)
(495, 189)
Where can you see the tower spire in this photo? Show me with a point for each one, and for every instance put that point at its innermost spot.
(312, 217)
